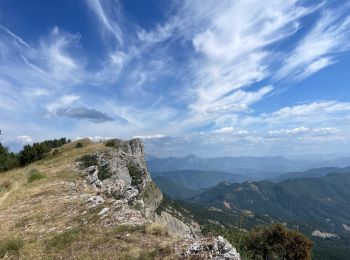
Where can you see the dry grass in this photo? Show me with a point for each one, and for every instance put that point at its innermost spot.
(50, 215)
(157, 229)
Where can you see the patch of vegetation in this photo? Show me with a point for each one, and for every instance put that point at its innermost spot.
(136, 176)
(88, 160)
(34, 175)
(11, 247)
(62, 240)
(127, 229)
(5, 185)
(113, 144)
(78, 145)
(103, 172)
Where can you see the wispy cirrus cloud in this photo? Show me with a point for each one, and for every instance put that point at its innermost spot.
(320, 46)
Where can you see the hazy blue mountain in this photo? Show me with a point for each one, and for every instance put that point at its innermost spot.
(316, 172)
(194, 179)
(175, 190)
(253, 167)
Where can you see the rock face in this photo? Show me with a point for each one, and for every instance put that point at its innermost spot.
(120, 172)
(176, 226)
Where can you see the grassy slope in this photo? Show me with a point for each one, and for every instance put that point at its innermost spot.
(45, 218)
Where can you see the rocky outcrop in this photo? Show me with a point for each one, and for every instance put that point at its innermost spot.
(120, 172)
(216, 248)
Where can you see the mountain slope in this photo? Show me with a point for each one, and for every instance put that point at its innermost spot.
(322, 202)
(195, 179)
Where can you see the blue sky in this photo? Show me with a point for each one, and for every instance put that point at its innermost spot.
(244, 77)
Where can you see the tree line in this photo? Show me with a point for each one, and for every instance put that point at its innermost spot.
(29, 153)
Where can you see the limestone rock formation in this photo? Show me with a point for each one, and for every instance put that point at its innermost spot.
(120, 172)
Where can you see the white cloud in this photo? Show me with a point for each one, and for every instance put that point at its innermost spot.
(62, 102)
(155, 136)
(24, 139)
(331, 35)
(238, 101)
(234, 45)
(106, 21)
(14, 36)
(294, 131)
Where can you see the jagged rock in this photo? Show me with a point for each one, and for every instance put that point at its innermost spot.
(318, 233)
(95, 201)
(207, 248)
(130, 193)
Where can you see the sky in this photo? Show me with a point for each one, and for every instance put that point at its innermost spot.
(212, 78)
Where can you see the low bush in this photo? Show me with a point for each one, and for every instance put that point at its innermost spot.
(88, 160)
(35, 175)
(78, 145)
(136, 176)
(10, 247)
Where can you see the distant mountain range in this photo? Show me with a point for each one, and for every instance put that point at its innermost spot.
(316, 172)
(256, 168)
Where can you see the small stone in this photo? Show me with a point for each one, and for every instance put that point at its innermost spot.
(103, 211)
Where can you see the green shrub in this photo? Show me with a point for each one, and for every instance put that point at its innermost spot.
(278, 242)
(35, 175)
(11, 247)
(91, 160)
(110, 143)
(136, 176)
(78, 145)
